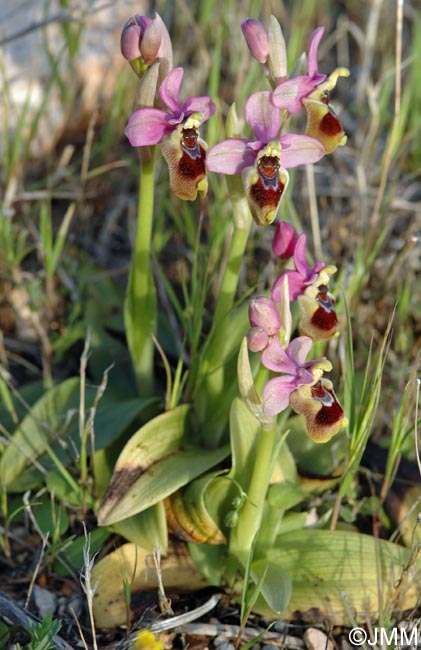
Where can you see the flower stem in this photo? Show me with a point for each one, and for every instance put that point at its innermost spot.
(208, 400)
(230, 278)
(250, 516)
(140, 310)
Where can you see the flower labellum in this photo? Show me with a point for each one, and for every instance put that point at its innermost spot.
(185, 153)
(318, 317)
(324, 125)
(265, 184)
(319, 405)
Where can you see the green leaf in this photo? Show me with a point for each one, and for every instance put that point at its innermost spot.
(188, 515)
(274, 582)
(71, 559)
(112, 418)
(285, 495)
(337, 570)
(147, 529)
(51, 517)
(4, 635)
(38, 428)
(211, 562)
(244, 429)
(312, 457)
(153, 465)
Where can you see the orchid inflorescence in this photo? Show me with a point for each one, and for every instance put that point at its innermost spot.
(262, 160)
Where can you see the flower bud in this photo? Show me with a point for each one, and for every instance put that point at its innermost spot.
(257, 339)
(284, 240)
(264, 314)
(256, 38)
(130, 40)
(143, 41)
(277, 52)
(150, 43)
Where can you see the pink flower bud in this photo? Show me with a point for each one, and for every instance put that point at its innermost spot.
(284, 240)
(130, 41)
(256, 38)
(257, 339)
(264, 314)
(150, 43)
(141, 39)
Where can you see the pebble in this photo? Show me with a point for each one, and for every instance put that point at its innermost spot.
(317, 640)
(45, 600)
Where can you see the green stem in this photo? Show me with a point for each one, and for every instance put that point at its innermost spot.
(250, 516)
(208, 399)
(230, 278)
(140, 310)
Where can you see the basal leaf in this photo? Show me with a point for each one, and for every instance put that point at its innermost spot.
(275, 584)
(188, 516)
(330, 568)
(38, 429)
(147, 529)
(153, 465)
(133, 567)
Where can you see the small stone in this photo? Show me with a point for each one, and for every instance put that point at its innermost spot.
(316, 640)
(45, 601)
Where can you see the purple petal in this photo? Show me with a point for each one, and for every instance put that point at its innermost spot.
(284, 240)
(276, 394)
(230, 156)
(300, 150)
(142, 21)
(275, 358)
(300, 257)
(170, 89)
(203, 105)
(263, 117)
(299, 348)
(289, 94)
(296, 286)
(147, 126)
(315, 39)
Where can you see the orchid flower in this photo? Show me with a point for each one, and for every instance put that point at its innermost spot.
(306, 284)
(263, 162)
(319, 405)
(296, 371)
(302, 276)
(312, 91)
(177, 129)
